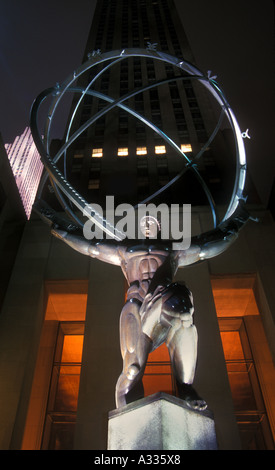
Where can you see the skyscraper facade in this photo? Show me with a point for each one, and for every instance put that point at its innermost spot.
(119, 154)
(26, 166)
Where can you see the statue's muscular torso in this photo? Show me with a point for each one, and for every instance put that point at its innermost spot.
(139, 265)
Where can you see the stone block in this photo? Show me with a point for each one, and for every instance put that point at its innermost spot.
(161, 422)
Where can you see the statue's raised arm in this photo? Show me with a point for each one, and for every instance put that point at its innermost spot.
(72, 235)
(216, 241)
(106, 250)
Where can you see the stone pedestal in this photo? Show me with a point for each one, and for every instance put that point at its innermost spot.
(160, 422)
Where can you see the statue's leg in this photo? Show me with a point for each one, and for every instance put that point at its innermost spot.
(182, 344)
(135, 347)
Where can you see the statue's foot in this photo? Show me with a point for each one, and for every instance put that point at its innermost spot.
(120, 400)
(190, 396)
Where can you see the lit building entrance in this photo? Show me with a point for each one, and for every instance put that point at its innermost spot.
(246, 351)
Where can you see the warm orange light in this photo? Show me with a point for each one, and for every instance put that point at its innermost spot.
(72, 348)
(232, 345)
(235, 302)
(67, 389)
(161, 354)
(158, 381)
(234, 296)
(66, 307)
(158, 375)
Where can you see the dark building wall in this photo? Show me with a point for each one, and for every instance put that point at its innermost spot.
(12, 221)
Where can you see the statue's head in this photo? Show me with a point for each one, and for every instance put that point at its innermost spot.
(149, 226)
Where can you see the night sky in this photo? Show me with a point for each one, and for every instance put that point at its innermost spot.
(41, 43)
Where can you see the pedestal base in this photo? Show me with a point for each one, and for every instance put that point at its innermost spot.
(161, 422)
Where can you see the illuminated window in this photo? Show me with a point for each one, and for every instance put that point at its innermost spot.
(246, 354)
(246, 393)
(97, 153)
(63, 396)
(141, 151)
(186, 148)
(158, 373)
(160, 149)
(122, 152)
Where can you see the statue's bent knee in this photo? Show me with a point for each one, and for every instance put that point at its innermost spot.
(187, 320)
(132, 371)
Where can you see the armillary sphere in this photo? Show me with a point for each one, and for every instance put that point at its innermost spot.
(69, 198)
